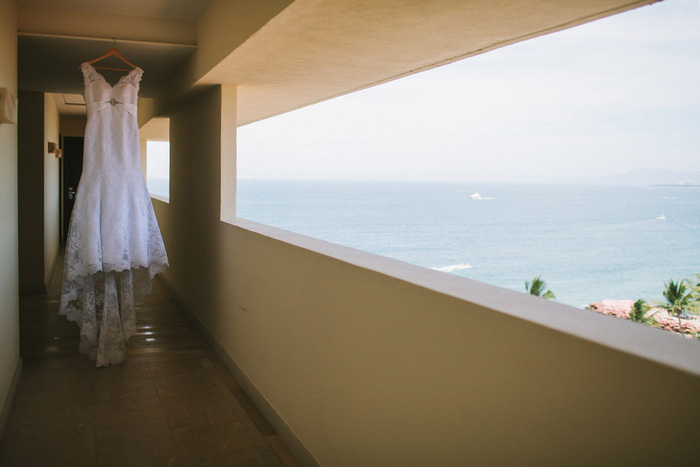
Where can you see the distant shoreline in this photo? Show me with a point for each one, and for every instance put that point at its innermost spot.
(679, 186)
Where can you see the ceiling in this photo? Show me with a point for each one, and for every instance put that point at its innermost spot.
(280, 54)
(52, 64)
(315, 50)
(56, 36)
(70, 105)
(187, 10)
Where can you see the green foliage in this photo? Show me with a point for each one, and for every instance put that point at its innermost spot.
(697, 279)
(639, 312)
(538, 287)
(696, 287)
(680, 297)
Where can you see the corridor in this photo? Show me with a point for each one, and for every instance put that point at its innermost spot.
(172, 403)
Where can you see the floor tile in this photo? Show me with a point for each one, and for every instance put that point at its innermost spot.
(67, 410)
(168, 461)
(172, 403)
(281, 451)
(76, 451)
(212, 439)
(150, 420)
(117, 378)
(273, 459)
(242, 457)
(255, 435)
(7, 446)
(120, 399)
(134, 444)
(201, 412)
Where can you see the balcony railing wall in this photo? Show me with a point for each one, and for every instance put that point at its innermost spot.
(359, 359)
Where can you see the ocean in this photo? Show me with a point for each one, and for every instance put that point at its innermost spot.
(589, 243)
(159, 186)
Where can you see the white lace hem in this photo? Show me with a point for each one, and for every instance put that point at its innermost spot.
(103, 306)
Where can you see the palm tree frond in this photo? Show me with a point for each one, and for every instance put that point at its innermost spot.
(549, 295)
(639, 312)
(537, 288)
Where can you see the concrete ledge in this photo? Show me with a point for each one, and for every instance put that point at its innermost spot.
(641, 341)
(285, 433)
(160, 198)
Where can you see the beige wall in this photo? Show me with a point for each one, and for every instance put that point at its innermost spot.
(9, 285)
(52, 220)
(38, 179)
(30, 176)
(370, 369)
(144, 156)
(224, 26)
(369, 361)
(194, 197)
(73, 126)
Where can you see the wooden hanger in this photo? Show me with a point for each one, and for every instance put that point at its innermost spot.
(113, 52)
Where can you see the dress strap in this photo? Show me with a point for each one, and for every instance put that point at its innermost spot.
(135, 75)
(89, 72)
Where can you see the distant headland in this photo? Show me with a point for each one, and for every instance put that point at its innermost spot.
(647, 177)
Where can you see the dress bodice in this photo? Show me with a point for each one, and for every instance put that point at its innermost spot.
(99, 93)
(112, 145)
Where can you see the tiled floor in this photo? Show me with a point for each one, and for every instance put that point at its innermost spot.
(172, 402)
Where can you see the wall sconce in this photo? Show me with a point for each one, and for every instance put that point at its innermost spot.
(52, 148)
(58, 153)
(8, 106)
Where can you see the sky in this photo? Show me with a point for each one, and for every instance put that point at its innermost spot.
(158, 159)
(611, 96)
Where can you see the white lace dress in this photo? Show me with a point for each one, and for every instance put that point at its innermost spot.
(114, 246)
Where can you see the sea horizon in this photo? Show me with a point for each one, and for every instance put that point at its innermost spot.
(588, 242)
(637, 177)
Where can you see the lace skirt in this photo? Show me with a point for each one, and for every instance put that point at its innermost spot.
(103, 306)
(113, 250)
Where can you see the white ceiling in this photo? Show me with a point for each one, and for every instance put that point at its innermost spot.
(70, 105)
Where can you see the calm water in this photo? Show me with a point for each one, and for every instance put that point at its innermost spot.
(588, 242)
(159, 186)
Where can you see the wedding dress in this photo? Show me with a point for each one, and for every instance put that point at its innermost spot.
(114, 246)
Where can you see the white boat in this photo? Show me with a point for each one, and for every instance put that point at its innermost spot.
(662, 217)
(476, 196)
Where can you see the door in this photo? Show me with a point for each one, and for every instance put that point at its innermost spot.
(72, 168)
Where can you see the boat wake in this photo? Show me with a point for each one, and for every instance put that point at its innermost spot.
(454, 267)
(477, 196)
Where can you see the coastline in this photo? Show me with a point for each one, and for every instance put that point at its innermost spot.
(663, 320)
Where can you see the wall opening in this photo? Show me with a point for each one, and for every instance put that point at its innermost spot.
(572, 155)
(158, 169)
(155, 157)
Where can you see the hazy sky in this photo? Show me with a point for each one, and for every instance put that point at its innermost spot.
(607, 97)
(158, 159)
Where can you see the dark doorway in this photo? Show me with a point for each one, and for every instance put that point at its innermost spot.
(72, 168)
